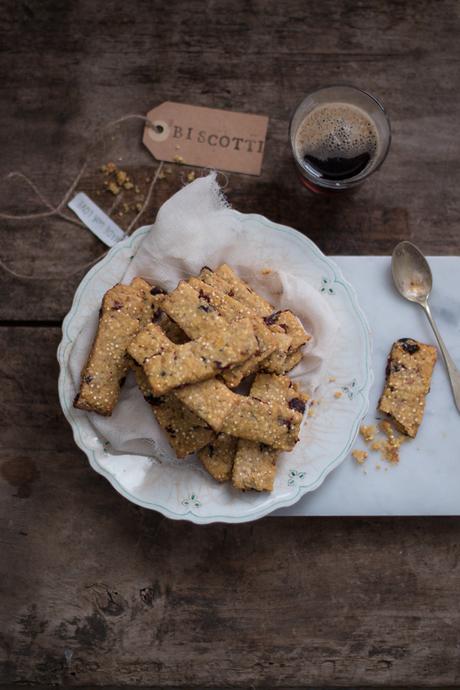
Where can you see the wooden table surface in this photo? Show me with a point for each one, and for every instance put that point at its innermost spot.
(94, 590)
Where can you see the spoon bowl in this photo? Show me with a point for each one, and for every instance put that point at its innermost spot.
(411, 272)
(414, 281)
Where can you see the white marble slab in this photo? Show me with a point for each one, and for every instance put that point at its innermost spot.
(427, 479)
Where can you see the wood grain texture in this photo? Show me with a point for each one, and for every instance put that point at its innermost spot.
(93, 590)
(99, 61)
(96, 591)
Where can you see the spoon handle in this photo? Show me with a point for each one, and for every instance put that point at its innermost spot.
(454, 373)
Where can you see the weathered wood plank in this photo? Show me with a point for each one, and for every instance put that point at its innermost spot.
(98, 62)
(97, 591)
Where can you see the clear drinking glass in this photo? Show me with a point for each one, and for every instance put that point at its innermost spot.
(339, 136)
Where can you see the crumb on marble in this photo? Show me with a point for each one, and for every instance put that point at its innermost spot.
(360, 456)
(368, 432)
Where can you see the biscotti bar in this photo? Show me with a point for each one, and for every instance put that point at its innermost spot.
(168, 366)
(125, 308)
(408, 377)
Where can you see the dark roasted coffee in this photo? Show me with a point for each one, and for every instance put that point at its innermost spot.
(337, 141)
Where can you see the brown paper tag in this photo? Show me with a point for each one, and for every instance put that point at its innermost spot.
(207, 137)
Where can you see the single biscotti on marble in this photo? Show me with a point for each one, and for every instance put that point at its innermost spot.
(125, 309)
(168, 366)
(217, 457)
(186, 432)
(408, 378)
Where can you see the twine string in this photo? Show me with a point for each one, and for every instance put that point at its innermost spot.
(58, 210)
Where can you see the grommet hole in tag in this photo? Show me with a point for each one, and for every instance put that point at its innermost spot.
(159, 130)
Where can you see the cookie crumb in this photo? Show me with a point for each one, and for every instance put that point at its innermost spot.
(360, 456)
(179, 160)
(377, 445)
(391, 447)
(191, 176)
(113, 188)
(266, 271)
(338, 394)
(331, 379)
(368, 432)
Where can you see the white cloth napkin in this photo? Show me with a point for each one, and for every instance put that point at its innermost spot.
(195, 228)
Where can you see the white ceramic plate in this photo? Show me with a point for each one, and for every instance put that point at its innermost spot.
(183, 490)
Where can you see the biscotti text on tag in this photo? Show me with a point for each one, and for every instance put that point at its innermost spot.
(221, 140)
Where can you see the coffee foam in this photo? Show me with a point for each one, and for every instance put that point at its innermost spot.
(336, 129)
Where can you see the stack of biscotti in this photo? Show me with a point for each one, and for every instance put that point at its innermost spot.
(189, 349)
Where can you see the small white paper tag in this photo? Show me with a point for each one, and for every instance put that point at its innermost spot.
(96, 220)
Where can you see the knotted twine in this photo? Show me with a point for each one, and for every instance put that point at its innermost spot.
(59, 209)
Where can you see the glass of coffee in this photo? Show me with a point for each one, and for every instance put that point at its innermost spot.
(339, 136)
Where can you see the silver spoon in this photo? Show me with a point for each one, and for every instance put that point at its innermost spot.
(413, 279)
